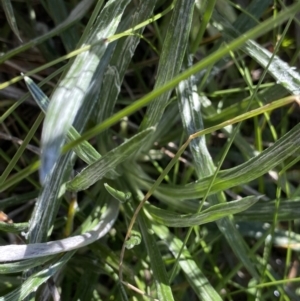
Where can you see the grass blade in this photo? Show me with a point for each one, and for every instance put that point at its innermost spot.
(172, 55)
(85, 150)
(119, 62)
(164, 292)
(75, 85)
(189, 104)
(10, 16)
(22, 252)
(213, 213)
(194, 275)
(108, 162)
(282, 149)
(208, 61)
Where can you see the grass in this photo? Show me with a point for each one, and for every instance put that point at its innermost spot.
(149, 150)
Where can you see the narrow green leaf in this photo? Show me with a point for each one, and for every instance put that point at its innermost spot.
(121, 196)
(21, 149)
(59, 14)
(20, 266)
(9, 12)
(213, 213)
(271, 94)
(171, 59)
(18, 199)
(34, 281)
(288, 210)
(108, 162)
(209, 7)
(13, 227)
(20, 175)
(193, 274)
(164, 292)
(283, 148)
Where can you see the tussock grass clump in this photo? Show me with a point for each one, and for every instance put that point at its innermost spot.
(149, 150)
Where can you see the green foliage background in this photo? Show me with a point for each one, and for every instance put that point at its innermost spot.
(149, 150)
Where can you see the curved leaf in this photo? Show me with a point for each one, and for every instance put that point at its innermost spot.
(22, 252)
(283, 148)
(213, 213)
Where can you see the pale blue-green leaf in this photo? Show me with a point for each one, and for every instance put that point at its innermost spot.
(280, 70)
(85, 150)
(37, 94)
(10, 16)
(70, 94)
(22, 252)
(191, 116)
(193, 273)
(49, 201)
(213, 213)
(108, 162)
